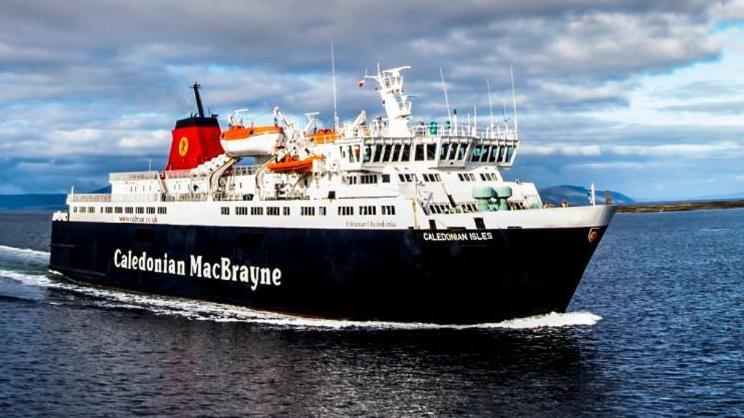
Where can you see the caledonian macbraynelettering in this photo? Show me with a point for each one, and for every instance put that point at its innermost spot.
(224, 269)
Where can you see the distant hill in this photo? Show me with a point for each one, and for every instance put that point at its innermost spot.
(578, 196)
(33, 202)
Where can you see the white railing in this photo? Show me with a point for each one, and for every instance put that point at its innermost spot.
(90, 197)
(134, 175)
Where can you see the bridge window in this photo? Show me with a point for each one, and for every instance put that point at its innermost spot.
(396, 152)
(406, 154)
(443, 151)
(388, 152)
(452, 151)
(378, 154)
(461, 151)
(431, 152)
(419, 154)
(367, 153)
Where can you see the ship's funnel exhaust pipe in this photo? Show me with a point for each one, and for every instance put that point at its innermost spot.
(199, 106)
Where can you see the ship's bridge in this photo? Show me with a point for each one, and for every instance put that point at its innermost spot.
(430, 148)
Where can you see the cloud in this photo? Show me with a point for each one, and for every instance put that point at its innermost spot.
(107, 80)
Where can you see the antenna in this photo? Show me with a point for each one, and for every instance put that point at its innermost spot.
(333, 77)
(199, 107)
(490, 103)
(446, 100)
(514, 102)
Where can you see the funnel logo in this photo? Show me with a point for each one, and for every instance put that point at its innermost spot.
(183, 147)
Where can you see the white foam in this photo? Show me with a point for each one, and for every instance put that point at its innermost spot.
(36, 254)
(216, 312)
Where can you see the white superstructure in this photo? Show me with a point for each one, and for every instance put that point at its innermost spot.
(386, 173)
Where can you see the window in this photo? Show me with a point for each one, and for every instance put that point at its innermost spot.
(386, 178)
(150, 210)
(272, 211)
(367, 210)
(476, 153)
(307, 211)
(241, 210)
(162, 210)
(368, 179)
(484, 155)
(225, 210)
(388, 152)
(367, 153)
(396, 152)
(350, 179)
(431, 152)
(117, 209)
(388, 209)
(443, 151)
(345, 210)
(285, 211)
(378, 154)
(493, 155)
(453, 151)
(109, 209)
(74, 209)
(257, 210)
(140, 210)
(128, 209)
(322, 211)
(419, 154)
(406, 154)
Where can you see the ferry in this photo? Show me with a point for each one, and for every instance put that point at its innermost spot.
(371, 220)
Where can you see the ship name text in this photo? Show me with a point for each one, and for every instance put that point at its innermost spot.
(198, 266)
(458, 236)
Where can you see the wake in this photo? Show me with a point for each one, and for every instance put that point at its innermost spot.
(209, 311)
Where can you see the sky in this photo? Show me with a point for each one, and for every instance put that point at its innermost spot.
(645, 97)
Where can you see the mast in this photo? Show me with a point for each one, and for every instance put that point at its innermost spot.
(490, 103)
(199, 106)
(514, 102)
(333, 78)
(446, 100)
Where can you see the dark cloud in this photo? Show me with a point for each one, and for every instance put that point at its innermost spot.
(108, 78)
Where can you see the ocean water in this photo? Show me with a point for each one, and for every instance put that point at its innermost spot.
(655, 329)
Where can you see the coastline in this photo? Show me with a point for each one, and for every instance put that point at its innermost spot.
(680, 206)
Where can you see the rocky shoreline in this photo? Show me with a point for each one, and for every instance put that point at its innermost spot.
(681, 206)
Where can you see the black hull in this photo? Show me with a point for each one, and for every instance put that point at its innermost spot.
(403, 275)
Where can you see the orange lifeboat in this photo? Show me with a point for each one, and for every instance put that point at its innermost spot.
(324, 136)
(292, 164)
(251, 141)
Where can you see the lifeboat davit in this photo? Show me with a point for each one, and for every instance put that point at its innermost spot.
(293, 164)
(243, 141)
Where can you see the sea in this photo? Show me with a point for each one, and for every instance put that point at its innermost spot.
(656, 328)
